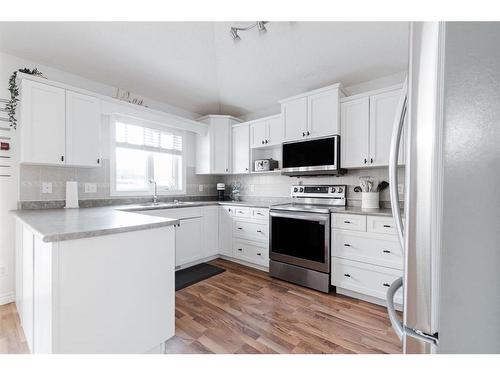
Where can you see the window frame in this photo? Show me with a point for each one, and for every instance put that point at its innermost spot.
(162, 191)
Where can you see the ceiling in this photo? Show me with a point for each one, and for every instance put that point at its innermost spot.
(197, 66)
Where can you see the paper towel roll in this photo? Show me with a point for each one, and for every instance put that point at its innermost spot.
(71, 194)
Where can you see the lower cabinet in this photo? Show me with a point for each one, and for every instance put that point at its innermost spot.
(188, 241)
(210, 231)
(366, 256)
(253, 252)
(226, 230)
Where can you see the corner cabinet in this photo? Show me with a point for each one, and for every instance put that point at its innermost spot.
(366, 128)
(313, 114)
(58, 126)
(213, 149)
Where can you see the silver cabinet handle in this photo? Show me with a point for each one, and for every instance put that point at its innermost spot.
(397, 131)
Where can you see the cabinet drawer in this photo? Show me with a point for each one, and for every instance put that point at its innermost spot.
(241, 211)
(380, 224)
(353, 222)
(364, 278)
(229, 210)
(250, 230)
(251, 252)
(259, 213)
(378, 249)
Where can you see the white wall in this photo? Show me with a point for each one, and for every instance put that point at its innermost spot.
(9, 189)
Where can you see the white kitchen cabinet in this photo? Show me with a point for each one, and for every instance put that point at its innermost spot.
(210, 229)
(26, 281)
(213, 150)
(83, 129)
(382, 113)
(366, 128)
(226, 230)
(42, 123)
(266, 132)
(313, 114)
(323, 113)
(188, 241)
(294, 116)
(354, 143)
(241, 148)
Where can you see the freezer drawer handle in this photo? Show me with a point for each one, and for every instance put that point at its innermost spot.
(401, 330)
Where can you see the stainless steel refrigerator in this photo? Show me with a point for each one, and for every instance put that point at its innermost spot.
(450, 227)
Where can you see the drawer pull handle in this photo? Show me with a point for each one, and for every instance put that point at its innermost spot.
(387, 251)
(347, 245)
(240, 228)
(259, 231)
(260, 214)
(259, 254)
(347, 275)
(387, 226)
(387, 285)
(347, 222)
(240, 249)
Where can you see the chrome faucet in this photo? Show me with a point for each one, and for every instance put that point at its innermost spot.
(155, 191)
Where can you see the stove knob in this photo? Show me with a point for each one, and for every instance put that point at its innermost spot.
(333, 190)
(340, 190)
(301, 189)
(295, 190)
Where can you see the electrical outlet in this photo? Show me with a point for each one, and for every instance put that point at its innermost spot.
(46, 187)
(200, 188)
(90, 187)
(3, 271)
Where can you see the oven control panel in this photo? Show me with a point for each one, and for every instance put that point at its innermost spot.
(318, 191)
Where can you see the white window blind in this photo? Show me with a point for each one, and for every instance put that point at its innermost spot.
(149, 139)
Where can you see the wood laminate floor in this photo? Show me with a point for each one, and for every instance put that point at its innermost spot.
(243, 310)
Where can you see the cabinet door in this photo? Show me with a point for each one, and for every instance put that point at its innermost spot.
(226, 231)
(274, 130)
(83, 130)
(221, 145)
(382, 113)
(42, 123)
(323, 113)
(241, 149)
(294, 115)
(210, 231)
(188, 246)
(354, 139)
(258, 133)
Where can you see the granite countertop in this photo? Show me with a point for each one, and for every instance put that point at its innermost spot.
(55, 225)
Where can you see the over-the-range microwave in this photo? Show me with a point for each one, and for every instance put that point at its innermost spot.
(320, 156)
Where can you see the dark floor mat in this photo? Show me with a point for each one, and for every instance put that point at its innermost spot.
(195, 274)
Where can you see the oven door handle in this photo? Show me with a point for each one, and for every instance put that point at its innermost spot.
(322, 218)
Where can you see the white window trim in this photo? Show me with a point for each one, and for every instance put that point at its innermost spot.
(112, 162)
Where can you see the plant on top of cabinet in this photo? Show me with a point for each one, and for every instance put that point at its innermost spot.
(312, 114)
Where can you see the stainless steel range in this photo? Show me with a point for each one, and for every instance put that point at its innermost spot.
(299, 243)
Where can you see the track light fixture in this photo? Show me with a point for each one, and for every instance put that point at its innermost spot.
(260, 26)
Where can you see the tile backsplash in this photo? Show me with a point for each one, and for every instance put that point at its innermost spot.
(273, 186)
(32, 177)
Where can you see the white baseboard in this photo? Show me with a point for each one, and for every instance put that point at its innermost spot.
(248, 264)
(364, 297)
(7, 298)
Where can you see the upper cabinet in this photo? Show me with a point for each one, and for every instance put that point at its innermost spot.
(266, 132)
(366, 128)
(213, 149)
(241, 148)
(312, 115)
(58, 126)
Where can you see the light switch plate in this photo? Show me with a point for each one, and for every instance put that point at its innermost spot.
(46, 187)
(200, 188)
(90, 187)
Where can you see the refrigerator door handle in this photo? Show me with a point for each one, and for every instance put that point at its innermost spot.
(401, 330)
(397, 131)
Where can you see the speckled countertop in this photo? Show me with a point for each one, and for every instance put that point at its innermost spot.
(69, 224)
(53, 225)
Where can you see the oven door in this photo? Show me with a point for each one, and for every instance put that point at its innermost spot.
(301, 239)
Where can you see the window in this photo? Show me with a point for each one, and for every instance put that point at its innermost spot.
(143, 153)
